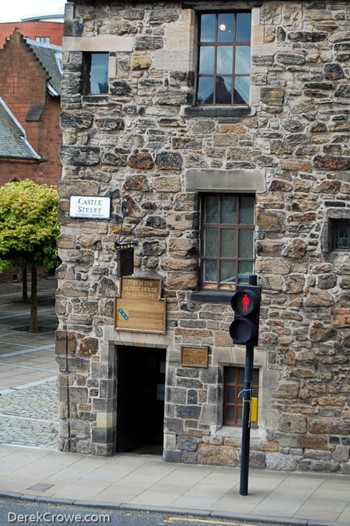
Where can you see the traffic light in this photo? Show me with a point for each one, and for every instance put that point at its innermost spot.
(245, 302)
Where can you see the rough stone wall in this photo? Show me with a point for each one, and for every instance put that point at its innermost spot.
(140, 143)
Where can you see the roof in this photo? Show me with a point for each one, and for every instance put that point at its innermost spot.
(47, 17)
(13, 140)
(50, 58)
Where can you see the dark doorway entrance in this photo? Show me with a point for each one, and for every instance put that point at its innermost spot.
(140, 402)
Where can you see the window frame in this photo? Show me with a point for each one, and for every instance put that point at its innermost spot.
(216, 43)
(335, 211)
(238, 227)
(335, 225)
(237, 386)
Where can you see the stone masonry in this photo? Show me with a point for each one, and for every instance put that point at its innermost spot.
(145, 144)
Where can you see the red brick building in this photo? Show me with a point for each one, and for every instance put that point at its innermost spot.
(30, 90)
(42, 31)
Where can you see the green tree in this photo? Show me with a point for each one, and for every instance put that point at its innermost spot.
(28, 231)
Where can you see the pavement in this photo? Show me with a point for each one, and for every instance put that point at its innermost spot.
(33, 469)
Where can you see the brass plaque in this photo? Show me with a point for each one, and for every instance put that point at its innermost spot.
(194, 356)
(150, 289)
(139, 314)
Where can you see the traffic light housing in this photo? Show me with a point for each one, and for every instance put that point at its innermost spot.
(244, 330)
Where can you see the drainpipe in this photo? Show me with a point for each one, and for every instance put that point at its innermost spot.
(68, 397)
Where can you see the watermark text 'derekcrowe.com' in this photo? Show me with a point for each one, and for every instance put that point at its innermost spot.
(57, 518)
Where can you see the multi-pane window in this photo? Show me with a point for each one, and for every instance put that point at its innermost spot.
(95, 73)
(227, 240)
(45, 40)
(341, 234)
(233, 394)
(224, 58)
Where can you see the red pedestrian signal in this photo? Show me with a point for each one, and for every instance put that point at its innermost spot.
(246, 304)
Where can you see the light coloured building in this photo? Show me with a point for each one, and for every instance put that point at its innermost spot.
(219, 133)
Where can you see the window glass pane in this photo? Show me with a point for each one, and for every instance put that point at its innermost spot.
(247, 204)
(242, 60)
(229, 210)
(211, 242)
(243, 27)
(244, 269)
(210, 271)
(228, 242)
(230, 394)
(240, 375)
(211, 214)
(341, 235)
(229, 415)
(230, 375)
(206, 60)
(208, 28)
(239, 416)
(99, 73)
(227, 272)
(223, 90)
(206, 90)
(224, 60)
(225, 27)
(241, 93)
(246, 243)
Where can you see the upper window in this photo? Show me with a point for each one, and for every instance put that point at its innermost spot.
(224, 58)
(227, 240)
(95, 73)
(341, 234)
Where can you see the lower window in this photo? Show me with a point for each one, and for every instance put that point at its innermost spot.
(227, 239)
(341, 234)
(233, 394)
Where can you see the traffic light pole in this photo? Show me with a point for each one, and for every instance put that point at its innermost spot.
(244, 330)
(247, 395)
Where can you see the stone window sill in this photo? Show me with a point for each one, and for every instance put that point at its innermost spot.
(257, 434)
(218, 111)
(209, 296)
(95, 99)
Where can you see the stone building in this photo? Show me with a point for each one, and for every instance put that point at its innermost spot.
(219, 131)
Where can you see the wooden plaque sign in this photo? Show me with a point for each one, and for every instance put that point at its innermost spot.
(194, 356)
(140, 307)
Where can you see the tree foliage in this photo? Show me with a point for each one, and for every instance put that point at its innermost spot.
(28, 225)
(28, 231)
